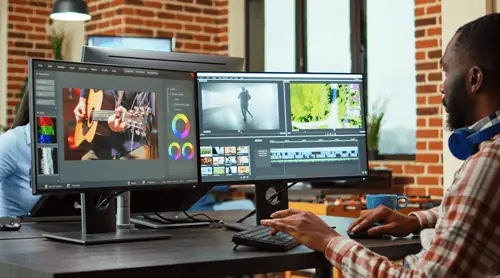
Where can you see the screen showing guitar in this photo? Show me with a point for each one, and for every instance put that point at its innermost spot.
(112, 126)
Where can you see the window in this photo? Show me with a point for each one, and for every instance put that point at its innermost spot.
(329, 36)
(344, 36)
(279, 37)
(391, 71)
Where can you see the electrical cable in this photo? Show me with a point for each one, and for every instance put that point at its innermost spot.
(270, 199)
(103, 204)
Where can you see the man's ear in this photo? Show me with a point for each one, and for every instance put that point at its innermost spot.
(475, 79)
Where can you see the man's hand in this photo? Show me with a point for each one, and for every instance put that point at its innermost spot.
(395, 223)
(80, 110)
(115, 122)
(305, 227)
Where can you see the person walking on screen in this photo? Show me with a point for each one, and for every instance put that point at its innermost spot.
(244, 97)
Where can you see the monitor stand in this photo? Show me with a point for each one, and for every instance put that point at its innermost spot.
(264, 207)
(104, 226)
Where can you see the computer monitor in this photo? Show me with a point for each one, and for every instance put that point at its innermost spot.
(161, 60)
(139, 130)
(261, 127)
(158, 44)
(179, 198)
(271, 129)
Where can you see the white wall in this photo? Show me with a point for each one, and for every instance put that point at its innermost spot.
(455, 13)
(3, 61)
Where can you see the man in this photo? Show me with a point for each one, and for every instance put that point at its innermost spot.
(123, 142)
(244, 97)
(466, 236)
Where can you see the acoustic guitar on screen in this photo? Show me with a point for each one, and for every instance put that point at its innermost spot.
(100, 107)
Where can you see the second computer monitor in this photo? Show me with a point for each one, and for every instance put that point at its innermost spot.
(281, 126)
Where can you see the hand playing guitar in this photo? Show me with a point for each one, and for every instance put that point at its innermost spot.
(115, 122)
(80, 110)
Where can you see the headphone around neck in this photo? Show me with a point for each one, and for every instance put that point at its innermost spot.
(465, 142)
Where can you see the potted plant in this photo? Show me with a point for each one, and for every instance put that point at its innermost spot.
(373, 125)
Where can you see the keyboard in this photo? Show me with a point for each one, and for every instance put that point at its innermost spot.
(260, 238)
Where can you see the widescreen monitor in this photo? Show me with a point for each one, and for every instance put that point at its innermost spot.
(261, 127)
(161, 60)
(139, 128)
(158, 44)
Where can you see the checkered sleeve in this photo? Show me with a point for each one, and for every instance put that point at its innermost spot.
(467, 239)
(427, 218)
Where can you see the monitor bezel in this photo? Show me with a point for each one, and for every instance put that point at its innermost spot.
(32, 119)
(257, 181)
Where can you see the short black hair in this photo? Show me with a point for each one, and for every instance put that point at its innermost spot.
(479, 40)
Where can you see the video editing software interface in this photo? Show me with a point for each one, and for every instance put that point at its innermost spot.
(111, 126)
(265, 126)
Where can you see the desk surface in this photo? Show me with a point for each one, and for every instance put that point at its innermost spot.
(191, 252)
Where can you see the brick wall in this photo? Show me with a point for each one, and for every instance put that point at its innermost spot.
(199, 26)
(26, 38)
(424, 176)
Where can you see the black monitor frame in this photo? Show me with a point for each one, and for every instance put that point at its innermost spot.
(161, 59)
(32, 118)
(284, 181)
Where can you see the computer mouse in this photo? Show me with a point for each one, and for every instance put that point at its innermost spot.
(364, 234)
(9, 224)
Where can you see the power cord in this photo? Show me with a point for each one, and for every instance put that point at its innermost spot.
(103, 204)
(270, 199)
(165, 220)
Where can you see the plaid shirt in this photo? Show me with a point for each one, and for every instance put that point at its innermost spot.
(465, 240)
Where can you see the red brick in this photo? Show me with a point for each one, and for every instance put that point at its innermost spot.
(436, 146)
(436, 122)
(415, 191)
(421, 146)
(421, 123)
(435, 99)
(427, 157)
(421, 100)
(396, 169)
(434, 31)
(434, 169)
(420, 55)
(427, 133)
(428, 180)
(426, 88)
(434, 9)
(419, 12)
(429, 43)
(436, 191)
(420, 2)
(414, 169)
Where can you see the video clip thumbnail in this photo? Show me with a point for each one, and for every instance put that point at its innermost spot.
(325, 106)
(239, 106)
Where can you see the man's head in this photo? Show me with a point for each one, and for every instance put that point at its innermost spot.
(471, 62)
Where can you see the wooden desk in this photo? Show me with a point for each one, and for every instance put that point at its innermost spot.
(191, 252)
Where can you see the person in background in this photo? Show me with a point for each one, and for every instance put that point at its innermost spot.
(460, 238)
(16, 198)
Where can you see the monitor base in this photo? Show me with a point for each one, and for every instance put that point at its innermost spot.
(102, 238)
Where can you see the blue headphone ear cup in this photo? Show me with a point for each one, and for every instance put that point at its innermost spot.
(459, 144)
